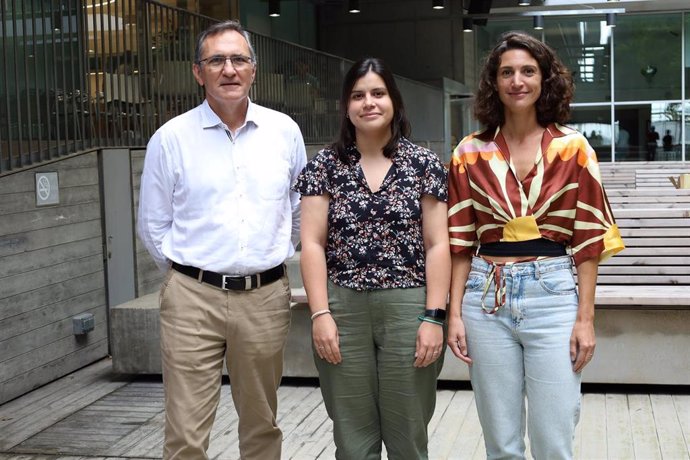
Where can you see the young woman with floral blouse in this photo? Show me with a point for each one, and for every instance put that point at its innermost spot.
(526, 202)
(376, 268)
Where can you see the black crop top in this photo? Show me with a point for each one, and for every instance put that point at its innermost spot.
(540, 247)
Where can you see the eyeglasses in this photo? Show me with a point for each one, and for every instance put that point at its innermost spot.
(238, 61)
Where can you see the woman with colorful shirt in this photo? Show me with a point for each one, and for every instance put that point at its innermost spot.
(376, 269)
(526, 202)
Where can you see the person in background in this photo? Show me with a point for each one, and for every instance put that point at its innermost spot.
(652, 139)
(217, 214)
(376, 269)
(526, 202)
(667, 141)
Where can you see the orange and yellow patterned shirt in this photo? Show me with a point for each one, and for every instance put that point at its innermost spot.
(562, 198)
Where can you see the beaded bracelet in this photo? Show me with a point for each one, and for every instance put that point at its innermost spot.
(429, 320)
(316, 314)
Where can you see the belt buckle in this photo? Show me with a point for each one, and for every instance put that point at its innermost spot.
(248, 282)
(224, 282)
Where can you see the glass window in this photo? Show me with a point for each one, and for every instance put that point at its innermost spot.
(685, 142)
(583, 45)
(652, 131)
(687, 55)
(666, 118)
(595, 123)
(648, 57)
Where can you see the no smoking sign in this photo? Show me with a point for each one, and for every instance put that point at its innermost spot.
(47, 192)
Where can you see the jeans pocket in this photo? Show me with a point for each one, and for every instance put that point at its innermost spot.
(475, 281)
(560, 282)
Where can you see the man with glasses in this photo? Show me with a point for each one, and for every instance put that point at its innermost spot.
(216, 213)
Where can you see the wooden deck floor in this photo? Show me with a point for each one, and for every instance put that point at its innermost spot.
(93, 414)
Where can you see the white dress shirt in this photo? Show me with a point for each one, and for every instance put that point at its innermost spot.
(218, 201)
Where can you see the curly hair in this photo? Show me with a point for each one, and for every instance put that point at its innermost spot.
(557, 86)
(400, 126)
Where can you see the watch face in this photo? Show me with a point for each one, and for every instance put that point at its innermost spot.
(436, 313)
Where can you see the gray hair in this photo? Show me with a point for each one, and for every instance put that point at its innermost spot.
(219, 28)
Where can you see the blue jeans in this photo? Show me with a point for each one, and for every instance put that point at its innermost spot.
(521, 351)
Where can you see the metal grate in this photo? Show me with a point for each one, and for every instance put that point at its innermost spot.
(81, 75)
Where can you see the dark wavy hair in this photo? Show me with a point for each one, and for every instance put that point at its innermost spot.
(557, 86)
(400, 126)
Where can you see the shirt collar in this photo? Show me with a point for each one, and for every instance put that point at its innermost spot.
(210, 119)
(552, 131)
(253, 113)
(555, 130)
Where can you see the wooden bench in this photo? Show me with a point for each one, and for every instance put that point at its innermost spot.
(642, 325)
(649, 198)
(642, 300)
(654, 268)
(622, 175)
(658, 177)
(618, 179)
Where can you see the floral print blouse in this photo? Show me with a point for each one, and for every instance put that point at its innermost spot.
(375, 238)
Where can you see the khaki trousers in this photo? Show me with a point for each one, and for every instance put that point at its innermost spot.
(201, 326)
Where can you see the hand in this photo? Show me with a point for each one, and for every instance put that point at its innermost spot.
(457, 340)
(429, 344)
(324, 333)
(582, 343)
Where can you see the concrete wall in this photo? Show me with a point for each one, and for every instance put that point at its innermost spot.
(424, 106)
(417, 41)
(633, 346)
(51, 268)
(420, 44)
(148, 277)
(295, 24)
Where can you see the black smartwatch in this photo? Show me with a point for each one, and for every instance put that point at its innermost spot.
(436, 313)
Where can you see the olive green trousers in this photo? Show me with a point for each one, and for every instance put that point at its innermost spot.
(375, 394)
